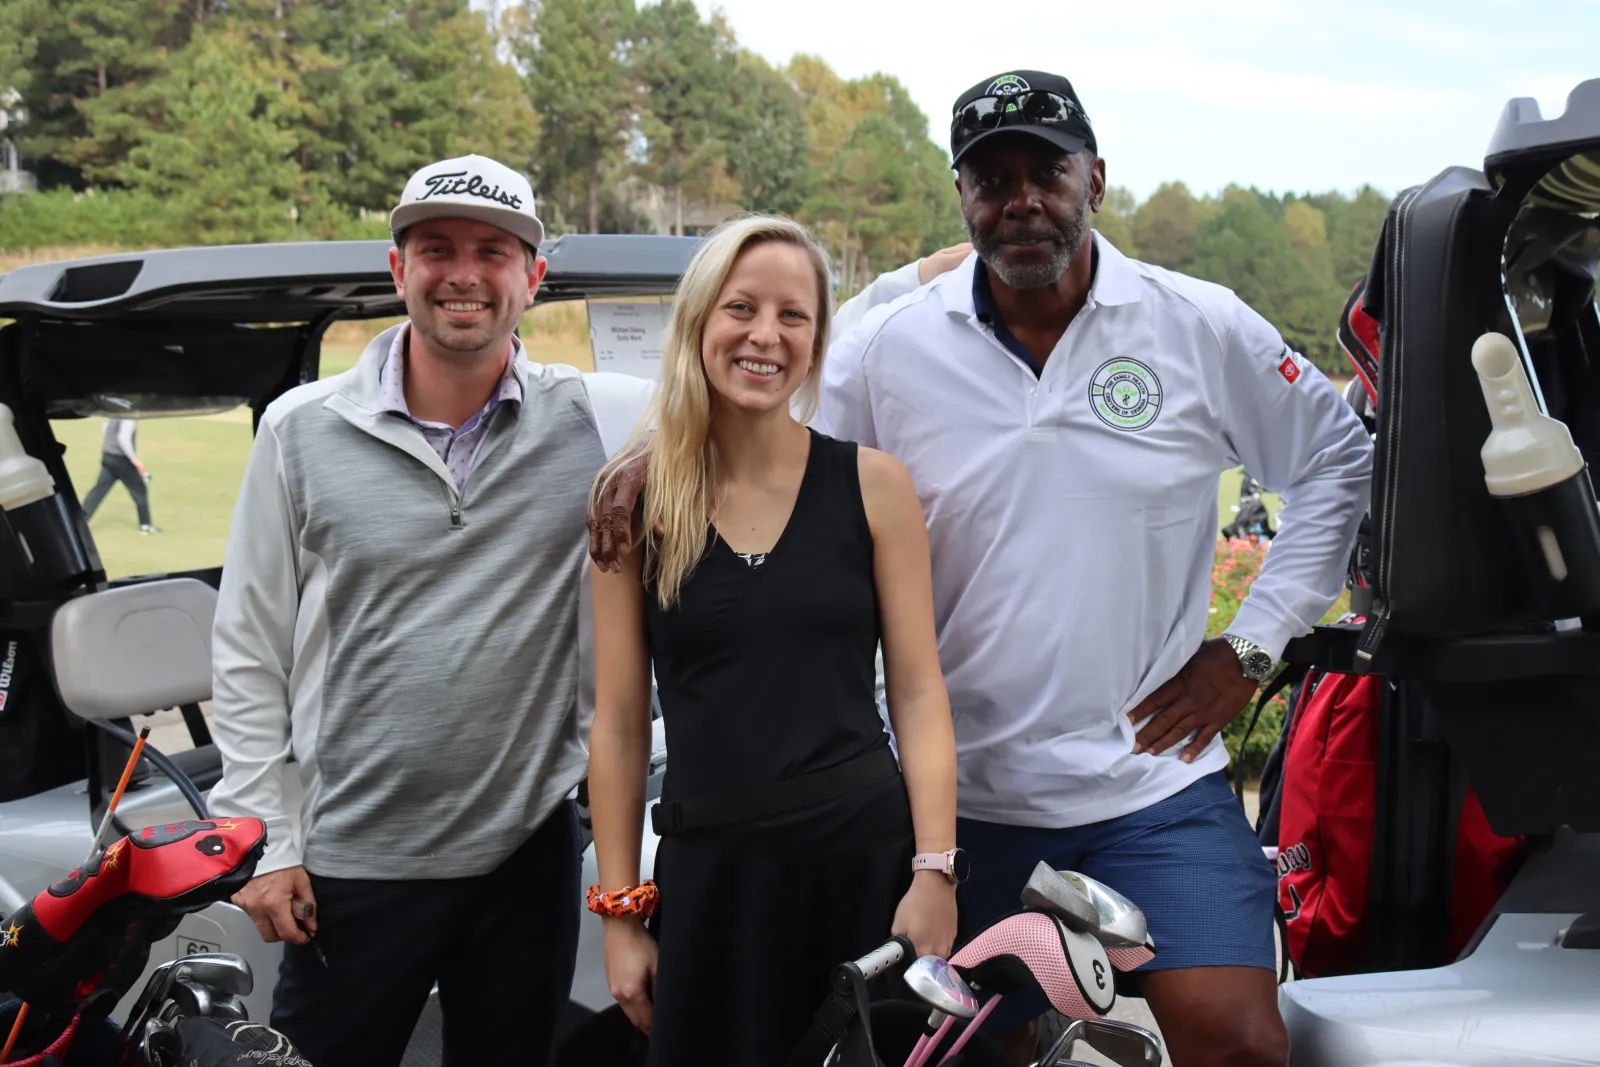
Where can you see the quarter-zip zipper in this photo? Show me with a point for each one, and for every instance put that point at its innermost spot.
(458, 498)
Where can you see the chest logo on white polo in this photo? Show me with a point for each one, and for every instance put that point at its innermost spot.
(1125, 394)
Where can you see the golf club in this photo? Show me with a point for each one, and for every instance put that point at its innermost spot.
(229, 1008)
(941, 988)
(1063, 1044)
(145, 1007)
(1049, 892)
(1123, 1043)
(1120, 923)
(220, 971)
(938, 985)
(192, 998)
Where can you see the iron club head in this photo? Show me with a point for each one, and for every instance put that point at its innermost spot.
(1063, 1045)
(1123, 1043)
(192, 998)
(229, 1008)
(940, 987)
(1051, 892)
(1120, 923)
(222, 972)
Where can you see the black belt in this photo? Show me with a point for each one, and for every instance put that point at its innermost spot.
(682, 816)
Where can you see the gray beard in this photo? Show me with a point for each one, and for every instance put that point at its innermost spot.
(1067, 242)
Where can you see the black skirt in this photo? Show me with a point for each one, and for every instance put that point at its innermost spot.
(755, 916)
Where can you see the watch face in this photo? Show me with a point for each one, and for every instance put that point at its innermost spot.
(1258, 664)
(959, 867)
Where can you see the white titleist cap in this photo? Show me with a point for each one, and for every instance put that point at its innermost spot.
(469, 187)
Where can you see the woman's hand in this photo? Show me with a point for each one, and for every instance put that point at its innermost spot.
(927, 914)
(631, 968)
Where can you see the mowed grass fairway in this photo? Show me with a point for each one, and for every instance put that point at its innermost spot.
(197, 465)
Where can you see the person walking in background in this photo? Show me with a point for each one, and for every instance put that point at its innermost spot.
(119, 462)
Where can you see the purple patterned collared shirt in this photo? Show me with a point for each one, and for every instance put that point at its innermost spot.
(457, 447)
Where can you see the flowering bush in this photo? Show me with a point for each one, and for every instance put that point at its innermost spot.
(1237, 563)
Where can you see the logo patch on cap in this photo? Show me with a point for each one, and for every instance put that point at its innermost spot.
(1007, 84)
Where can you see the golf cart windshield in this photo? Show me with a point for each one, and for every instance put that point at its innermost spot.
(192, 330)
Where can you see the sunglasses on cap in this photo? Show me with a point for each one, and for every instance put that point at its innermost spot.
(1031, 107)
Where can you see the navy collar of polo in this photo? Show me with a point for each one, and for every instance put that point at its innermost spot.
(984, 311)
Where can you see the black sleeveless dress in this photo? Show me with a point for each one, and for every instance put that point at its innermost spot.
(765, 670)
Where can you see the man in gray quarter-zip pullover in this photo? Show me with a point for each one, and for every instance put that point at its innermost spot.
(400, 611)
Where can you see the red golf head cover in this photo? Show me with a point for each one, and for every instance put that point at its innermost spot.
(90, 933)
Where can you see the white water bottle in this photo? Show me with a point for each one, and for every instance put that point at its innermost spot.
(23, 479)
(37, 517)
(1532, 466)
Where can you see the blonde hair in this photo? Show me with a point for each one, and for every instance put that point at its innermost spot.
(682, 471)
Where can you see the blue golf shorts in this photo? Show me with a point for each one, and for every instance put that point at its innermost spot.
(1191, 862)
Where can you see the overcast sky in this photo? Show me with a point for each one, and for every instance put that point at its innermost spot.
(1281, 94)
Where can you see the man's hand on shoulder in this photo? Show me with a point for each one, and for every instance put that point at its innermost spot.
(610, 518)
(275, 900)
(945, 259)
(1203, 696)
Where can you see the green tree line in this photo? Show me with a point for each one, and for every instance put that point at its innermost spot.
(163, 122)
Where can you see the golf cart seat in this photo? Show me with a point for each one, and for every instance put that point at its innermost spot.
(135, 650)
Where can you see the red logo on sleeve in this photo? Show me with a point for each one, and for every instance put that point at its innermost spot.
(1290, 372)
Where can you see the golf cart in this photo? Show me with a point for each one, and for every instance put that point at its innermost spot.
(1484, 621)
(83, 660)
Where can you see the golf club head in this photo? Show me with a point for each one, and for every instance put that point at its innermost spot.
(1049, 892)
(1123, 1043)
(222, 972)
(1063, 1044)
(940, 987)
(1120, 922)
(229, 1008)
(192, 998)
(148, 1002)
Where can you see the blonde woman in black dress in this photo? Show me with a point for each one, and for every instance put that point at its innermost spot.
(780, 558)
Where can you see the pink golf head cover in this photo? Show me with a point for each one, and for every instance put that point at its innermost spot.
(1035, 940)
(1128, 959)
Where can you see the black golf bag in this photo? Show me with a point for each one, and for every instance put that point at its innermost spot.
(1252, 519)
(1485, 660)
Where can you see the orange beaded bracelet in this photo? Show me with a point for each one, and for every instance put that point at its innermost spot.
(625, 901)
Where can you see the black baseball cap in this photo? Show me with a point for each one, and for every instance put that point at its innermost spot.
(1020, 101)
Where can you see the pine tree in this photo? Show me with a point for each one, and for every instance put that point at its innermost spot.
(577, 81)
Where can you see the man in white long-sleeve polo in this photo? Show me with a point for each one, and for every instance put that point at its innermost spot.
(1066, 413)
